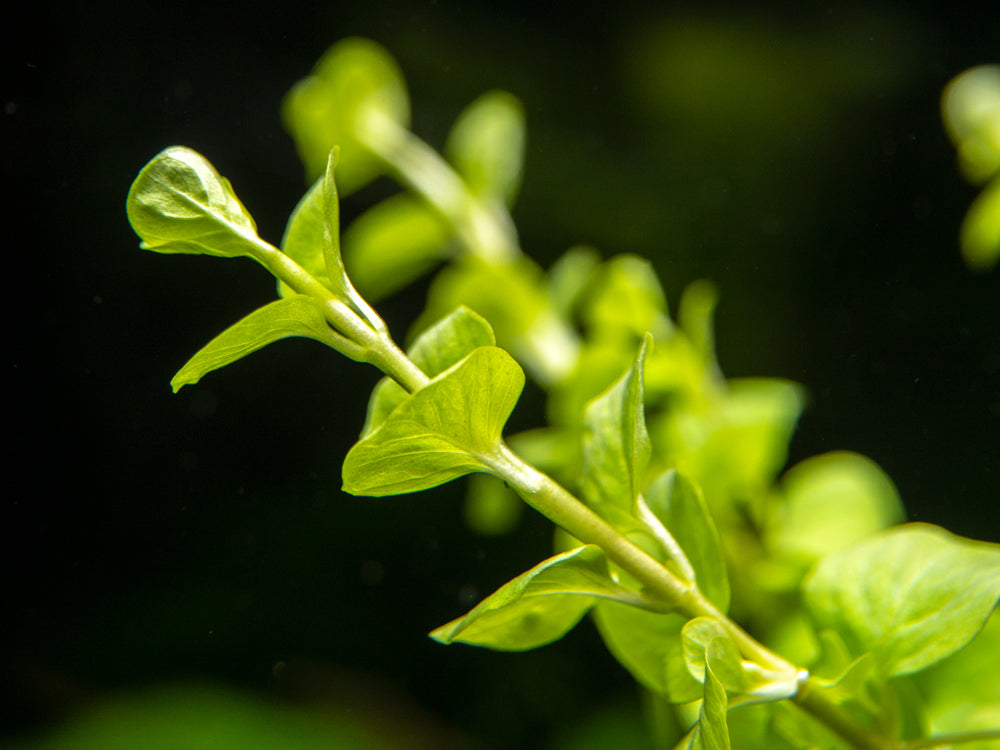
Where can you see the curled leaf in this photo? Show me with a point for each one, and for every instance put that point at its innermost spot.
(180, 204)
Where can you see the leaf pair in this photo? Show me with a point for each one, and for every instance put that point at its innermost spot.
(179, 203)
(450, 427)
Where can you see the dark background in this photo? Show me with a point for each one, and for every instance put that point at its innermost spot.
(794, 157)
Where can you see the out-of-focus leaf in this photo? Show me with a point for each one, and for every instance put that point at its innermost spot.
(970, 106)
(831, 502)
(910, 596)
(980, 231)
(197, 717)
(393, 243)
(355, 80)
(486, 145)
(491, 507)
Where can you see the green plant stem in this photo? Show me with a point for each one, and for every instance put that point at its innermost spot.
(561, 507)
(485, 232)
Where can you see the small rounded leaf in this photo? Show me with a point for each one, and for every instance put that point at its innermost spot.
(179, 203)
(355, 79)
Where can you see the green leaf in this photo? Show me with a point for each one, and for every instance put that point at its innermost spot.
(680, 507)
(486, 145)
(180, 204)
(393, 243)
(627, 301)
(446, 429)
(539, 606)
(442, 345)
(293, 316)
(831, 502)
(648, 645)
(711, 732)
(980, 231)
(708, 647)
(303, 241)
(616, 446)
(964, 682)
(514, 299)
(970, 107)
(734, 445)
(491, 507)
(911, 596)
(354, 81)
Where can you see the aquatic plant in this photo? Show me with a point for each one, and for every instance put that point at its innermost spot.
(755, 609)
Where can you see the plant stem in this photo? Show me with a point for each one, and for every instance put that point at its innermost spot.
(488, 234)
(565, 510)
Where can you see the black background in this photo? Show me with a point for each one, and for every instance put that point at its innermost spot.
(151, 537)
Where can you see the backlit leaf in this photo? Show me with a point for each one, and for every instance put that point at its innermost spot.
(435, 350)
(537, 607)
(680, 507)
(616, 446)
(447, 428)
(910, 596)
(293, 316)
(180, 204)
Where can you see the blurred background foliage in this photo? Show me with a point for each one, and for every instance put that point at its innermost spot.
(156, 544)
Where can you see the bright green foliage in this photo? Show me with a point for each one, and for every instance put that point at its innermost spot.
(442, 345)
(180, 204)
(616, 446)
(354, 83)
(674, 515)
(911, 596)
(970, 106)
(539, 606)
(831, 502)
(394, 243)
(679, 505)
(711, 732)
(448, 428)
(486, 145)
(294, 316)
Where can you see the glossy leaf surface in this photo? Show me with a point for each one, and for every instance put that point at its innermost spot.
(179, 203)
(910, 596)
(448, 428)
